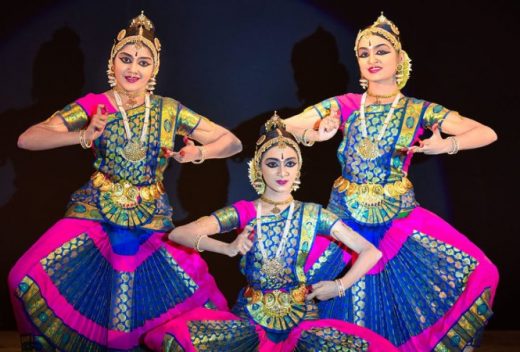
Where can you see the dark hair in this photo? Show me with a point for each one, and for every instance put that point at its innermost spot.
(274, 129)
(275, 133)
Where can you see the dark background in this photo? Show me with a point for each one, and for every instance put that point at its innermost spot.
(236, 62)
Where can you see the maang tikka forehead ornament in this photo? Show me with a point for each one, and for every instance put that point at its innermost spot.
(141, 31)
(274, 134)
(386, 29)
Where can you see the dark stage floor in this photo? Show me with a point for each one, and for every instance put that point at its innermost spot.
(494, 341)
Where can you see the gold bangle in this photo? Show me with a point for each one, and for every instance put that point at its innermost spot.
(197, 243)
(305, 142)
(85, 143)
(454, 145)
(341, 288)
(202, 155)
(82, 139)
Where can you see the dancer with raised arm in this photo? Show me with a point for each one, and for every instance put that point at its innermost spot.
(277, 311)
(432, 289)
(104, 275)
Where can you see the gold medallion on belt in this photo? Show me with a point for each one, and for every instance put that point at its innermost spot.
(373, 193)
(126, 194)
(276, 304)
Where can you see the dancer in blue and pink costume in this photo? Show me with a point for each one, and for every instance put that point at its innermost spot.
(274, 312)
(105, 274)
(433, 289)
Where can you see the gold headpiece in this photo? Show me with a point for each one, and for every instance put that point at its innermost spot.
(383, 27)
(141, 31)
(389, 31)
(264, 143)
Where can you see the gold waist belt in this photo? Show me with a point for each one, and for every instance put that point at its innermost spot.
(394, 189)
(125, 193)
(276, 297)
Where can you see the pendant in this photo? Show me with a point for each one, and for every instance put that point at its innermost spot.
(131, 102)
(368, 149)
(134, 151)
(275, 210)
(272, 267)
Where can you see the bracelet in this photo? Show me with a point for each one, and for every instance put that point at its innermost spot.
(82, 138)
(305, 142)
(197, 243)
(202, 155)
(341, 288)
(454, 145)
(85, 143)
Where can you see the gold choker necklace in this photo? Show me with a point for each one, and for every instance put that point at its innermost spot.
(379, 97)
(275, 209)
(131, 101)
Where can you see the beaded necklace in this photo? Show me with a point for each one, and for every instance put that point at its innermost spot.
(272, 267)
(367, 148)
(134, 150)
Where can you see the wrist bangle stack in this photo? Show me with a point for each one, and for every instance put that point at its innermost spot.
(202, 155)
(197, 243)
(305, 142)
(341, 288)
(454, 145)
(84, 142)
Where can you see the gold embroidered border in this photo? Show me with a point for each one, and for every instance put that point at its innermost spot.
(122, 307)
(358, 301)
(168, 122)
(470, 324)
(308, 231)
(170, 344)
(48, 323)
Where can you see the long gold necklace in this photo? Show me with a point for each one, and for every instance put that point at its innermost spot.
(367, 148)
(273, 267)
(275, 209)
(134, 150)
(379, 97)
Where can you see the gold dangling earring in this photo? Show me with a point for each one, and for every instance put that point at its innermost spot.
(151, 85)
(111, 76)
(259, 184)
(399, 74)
(296, 183)
(363, 82)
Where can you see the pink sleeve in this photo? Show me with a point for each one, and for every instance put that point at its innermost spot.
(90, 102)
(348, 103)
(246, 211)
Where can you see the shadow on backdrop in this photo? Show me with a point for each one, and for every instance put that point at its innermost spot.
(44, 180)
(319, 75)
